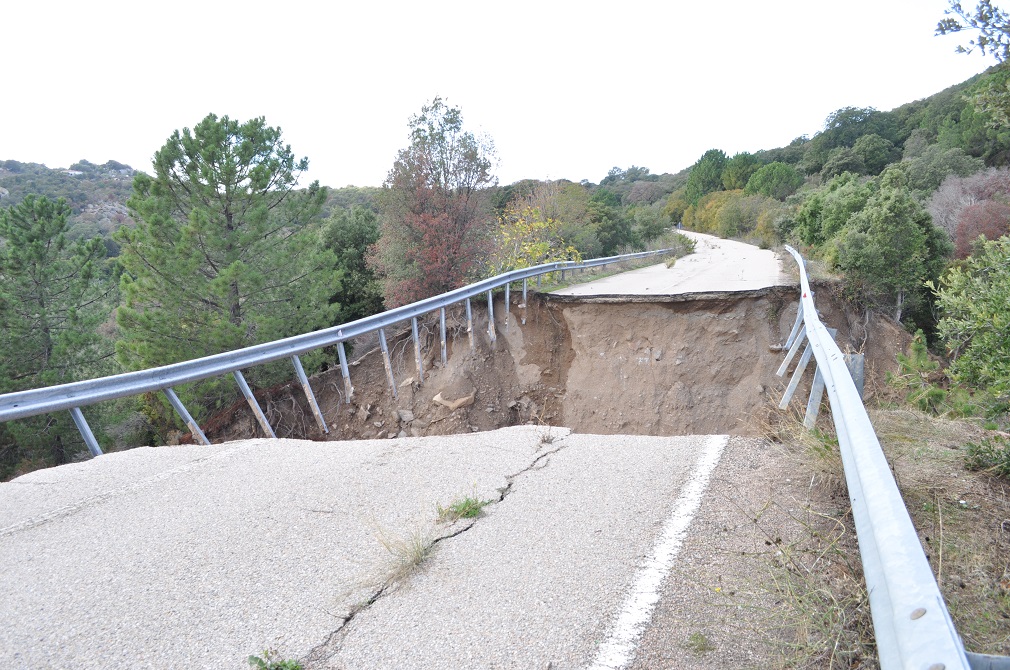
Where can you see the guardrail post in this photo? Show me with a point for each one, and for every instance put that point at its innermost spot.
(417, 350)
(797, 325)
(538, 280)
(309, 395)
(506, 308)
(857, 368)
(797, 374)
(194, 427)
(441, 329)
(85, 431)
(255, 406)
(469, 324)
(801, 336)
(524, 302)
(490, 317)
(345, 372)
(386, 362)
(816, 393)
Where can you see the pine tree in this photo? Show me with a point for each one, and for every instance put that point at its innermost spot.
(225, 253)
(53, 296)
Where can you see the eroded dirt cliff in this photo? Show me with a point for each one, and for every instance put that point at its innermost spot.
(693, 364)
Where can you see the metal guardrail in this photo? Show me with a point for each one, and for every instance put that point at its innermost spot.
(912, 626)
(75, 395)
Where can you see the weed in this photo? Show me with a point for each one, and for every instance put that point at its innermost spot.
(926, 386)
(699, 644)
(270, 661)
(467, 507)
(409, 551)
(824, 618)
(991, 454)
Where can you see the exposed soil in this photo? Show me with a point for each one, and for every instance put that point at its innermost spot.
(690, 364)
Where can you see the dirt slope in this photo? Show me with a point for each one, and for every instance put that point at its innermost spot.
(691, 364)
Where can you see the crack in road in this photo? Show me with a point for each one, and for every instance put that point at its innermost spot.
(331, 645)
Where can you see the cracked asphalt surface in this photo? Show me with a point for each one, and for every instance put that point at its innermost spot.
(198, 557)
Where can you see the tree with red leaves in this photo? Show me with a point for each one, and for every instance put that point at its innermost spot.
(436, 217)
(989, 219)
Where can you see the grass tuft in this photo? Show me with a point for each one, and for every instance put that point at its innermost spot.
(270, 661)
(699, 644)
(467, 507)
(409, 551)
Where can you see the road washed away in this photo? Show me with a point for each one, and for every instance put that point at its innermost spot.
(199, 556)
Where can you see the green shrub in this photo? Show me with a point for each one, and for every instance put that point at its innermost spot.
(991, 454)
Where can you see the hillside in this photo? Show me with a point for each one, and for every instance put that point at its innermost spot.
(97, 194)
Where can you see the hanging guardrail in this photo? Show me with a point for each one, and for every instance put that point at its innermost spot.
(76, 395)
(911, 623)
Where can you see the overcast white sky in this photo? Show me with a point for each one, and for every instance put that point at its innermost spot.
(565, 89)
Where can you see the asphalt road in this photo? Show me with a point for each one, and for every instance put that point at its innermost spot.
(197, 557)
(715, 265)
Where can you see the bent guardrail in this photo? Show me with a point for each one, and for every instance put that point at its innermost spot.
(911, 623)
(75, 395)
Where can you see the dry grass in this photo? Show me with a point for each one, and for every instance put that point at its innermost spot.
(822, 618)
(963, 522)
(408, 550)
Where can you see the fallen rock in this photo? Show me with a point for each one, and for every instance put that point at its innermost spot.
(405, 415)
(453, 405)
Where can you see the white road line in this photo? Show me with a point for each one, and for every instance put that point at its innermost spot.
(636, 612)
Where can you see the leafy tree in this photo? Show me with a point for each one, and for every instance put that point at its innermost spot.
(890, 248)
(875, 152)
(611, 225)
(436, 216)
(526, 238)
(791, 154)
(734, 214)
(703, 217)
(222, 256)
(926, 169)
(676, 205)
(53, 296)
(562, 201)
(826, 211)
(973, 299)
(649, 222)
(841, 160)
(349, 233)
(775, 180)
(706, 175)
(841, 130)
(738, 170)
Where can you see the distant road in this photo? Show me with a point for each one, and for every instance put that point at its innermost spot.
(716, 265)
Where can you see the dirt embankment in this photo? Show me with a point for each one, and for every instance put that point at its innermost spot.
(694, 364)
